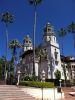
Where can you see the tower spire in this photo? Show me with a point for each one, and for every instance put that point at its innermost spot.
(27, 43)
(49, 33)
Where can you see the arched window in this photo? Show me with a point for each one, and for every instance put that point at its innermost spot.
(55, 53)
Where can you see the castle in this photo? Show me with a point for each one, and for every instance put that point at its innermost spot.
(47, 57)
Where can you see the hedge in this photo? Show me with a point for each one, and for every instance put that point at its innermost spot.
(37, 84)
(55, 81)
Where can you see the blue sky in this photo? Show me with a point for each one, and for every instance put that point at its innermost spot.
(58, 12)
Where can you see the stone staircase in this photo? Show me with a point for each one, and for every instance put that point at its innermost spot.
(10, 92)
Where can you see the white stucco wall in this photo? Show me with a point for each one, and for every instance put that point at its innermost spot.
(51, 45)
(43, 66)
(48, 94)
(36, 69)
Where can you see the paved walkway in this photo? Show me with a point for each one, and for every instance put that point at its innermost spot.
(10, 92)
(67, 95)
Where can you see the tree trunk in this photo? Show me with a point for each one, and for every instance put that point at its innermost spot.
(6, 51)
(34, 40)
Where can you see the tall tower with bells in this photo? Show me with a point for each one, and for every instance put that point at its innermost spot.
(53, 51)
(27, 44)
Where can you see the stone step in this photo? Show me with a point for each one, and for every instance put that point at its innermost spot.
(15, 95)
(10, 92)
(17, 99)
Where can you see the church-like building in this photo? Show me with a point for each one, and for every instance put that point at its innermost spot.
(47, 56)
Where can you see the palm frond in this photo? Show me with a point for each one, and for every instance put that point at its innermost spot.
(39, 1)
(14, 43)
(7, 17)
(35, 2)
(31, 1)
(71, 28)
(62, 32)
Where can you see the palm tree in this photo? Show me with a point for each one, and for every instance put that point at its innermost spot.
(7, 18)
(62, 34)
(41, 54)
(14, 44)
(71, 29)
(34, 3)
(2, 65)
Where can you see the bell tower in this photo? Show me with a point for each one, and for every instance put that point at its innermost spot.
(49, 34)
(27, 44)
(53, 51)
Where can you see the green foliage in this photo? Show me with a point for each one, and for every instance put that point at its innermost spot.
(11, 80)
(37, 84)
(33, 78)
(14, 44)
(35, 2)
(2, 66)
(0, 70)
(7, 17)
(55, 81)
(71, 27)
(41, 53)
(62, 32)
(28, 78)
(57, 74)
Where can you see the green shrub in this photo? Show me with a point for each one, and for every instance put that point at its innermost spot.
(26, 78)
(29, 78)
(57, 74)
(37, 84)
(55, 81)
